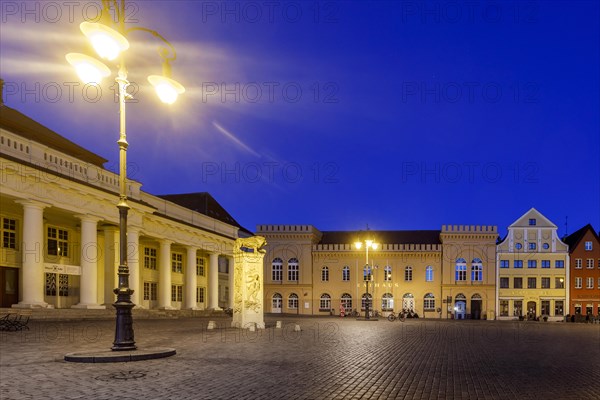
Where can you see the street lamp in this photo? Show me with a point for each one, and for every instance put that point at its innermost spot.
(110, 44)
(368, 244)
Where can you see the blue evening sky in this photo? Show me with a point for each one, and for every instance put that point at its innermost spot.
(339, 114)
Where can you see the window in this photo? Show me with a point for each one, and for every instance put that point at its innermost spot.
(176, 293)
(532, 246)
(200, 294)
(150, 291)
(63, 285)
(177, 262)
(293, 270)
(545, 283)
(578, 263)
(504, 283)
(476, 270)
(545, 307)
(347, 301)
(387, 273)
(9, 233)
(429, 274)
(504, 308)
(325, 274)
(346, 273)
(559, 264)
(149, 258)
(200, 271)
(429, 302)
(387, 302)
(276, 270)
(518, 263)
(518, 308)
(293, 301)
(518, 246)
(531, 283)
(578, 281)
(558, 307)
(504, 263)
(532, 222)
(545, 246)
(518, 283)
(58, 242)
(588, 246)
(531, 263)
(325, 303)
(461, 269)
(590, 283)
(408, 273)
(545, 263)
(589, 263)
(364, 300)
(559, 283)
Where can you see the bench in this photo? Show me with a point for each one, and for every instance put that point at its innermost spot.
(16, 321)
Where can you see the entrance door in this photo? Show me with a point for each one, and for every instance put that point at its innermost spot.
(276, 304)
(531, 310)
(9, 287)
(408, 302)
(476, 305)
(461, 309)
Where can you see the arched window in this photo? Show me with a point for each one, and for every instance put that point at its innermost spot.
(461, 269)
(460, 297)
(408, 302)
(408, 273)
(325, 274)
(429, 302)
(387, 273)
(293, 301)
(277, 268)
(347, 301)
(293, 269)
(277, 300)
(325, 303)
(346, 273)
(364, 298)
(387, 302)
(429, 273)
(476, 270)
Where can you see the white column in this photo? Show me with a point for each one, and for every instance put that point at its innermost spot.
(190, 279)
(88, 287)
(111, 263)
(231, 282)
(213, 281)
(32, 276)
(133, 261)
(164, 279)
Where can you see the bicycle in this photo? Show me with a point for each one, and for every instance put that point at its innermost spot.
(393, 316)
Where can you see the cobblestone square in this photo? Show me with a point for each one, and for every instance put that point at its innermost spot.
(330, 358)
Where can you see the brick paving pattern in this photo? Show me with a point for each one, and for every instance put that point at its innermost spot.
(331, 358)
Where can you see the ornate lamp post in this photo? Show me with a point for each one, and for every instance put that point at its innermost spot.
(110, 43)
(368, 244)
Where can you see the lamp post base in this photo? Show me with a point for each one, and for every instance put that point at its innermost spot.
(124, 339)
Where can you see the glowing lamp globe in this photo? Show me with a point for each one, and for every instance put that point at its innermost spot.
(89, 70)
(167, 89)
(107, 42)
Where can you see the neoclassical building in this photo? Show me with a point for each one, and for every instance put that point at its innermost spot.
(60, 231)
(533, 273)
(448, 273)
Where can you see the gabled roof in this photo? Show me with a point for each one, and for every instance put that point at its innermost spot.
(523, 220)
(574, 238)
(382, 237)
(203, 203)
(14, 121)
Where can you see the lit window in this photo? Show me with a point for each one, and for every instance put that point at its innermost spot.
(531, 263)
(518, 263)
(588, 246)
(559, 283)
(545, 263)
(558, 307)
(177, 262)
(387, 302)
(559, 264)
(58, 242)
(504, 263)
(149, 258)
(387, 273)
(476, 270)
(461, 269)
(277, 270)
(429, 273)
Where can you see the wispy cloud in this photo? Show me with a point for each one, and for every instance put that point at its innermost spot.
(235, 140)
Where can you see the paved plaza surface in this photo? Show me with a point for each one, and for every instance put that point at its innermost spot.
(330, 358)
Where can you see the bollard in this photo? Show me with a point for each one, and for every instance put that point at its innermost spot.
(278, 325)
(211, 325)
(252, 328)
(297, 328)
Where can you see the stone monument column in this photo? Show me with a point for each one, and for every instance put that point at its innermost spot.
(248, 310)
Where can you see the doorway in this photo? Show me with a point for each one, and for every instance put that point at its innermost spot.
(9, 286)
(476, 305)
(276, 303)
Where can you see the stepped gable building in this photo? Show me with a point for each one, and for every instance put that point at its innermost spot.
(60, 235)
(533, 274)
(584, 269)
(314, 272)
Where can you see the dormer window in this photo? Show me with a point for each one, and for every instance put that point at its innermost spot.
(532, 222)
